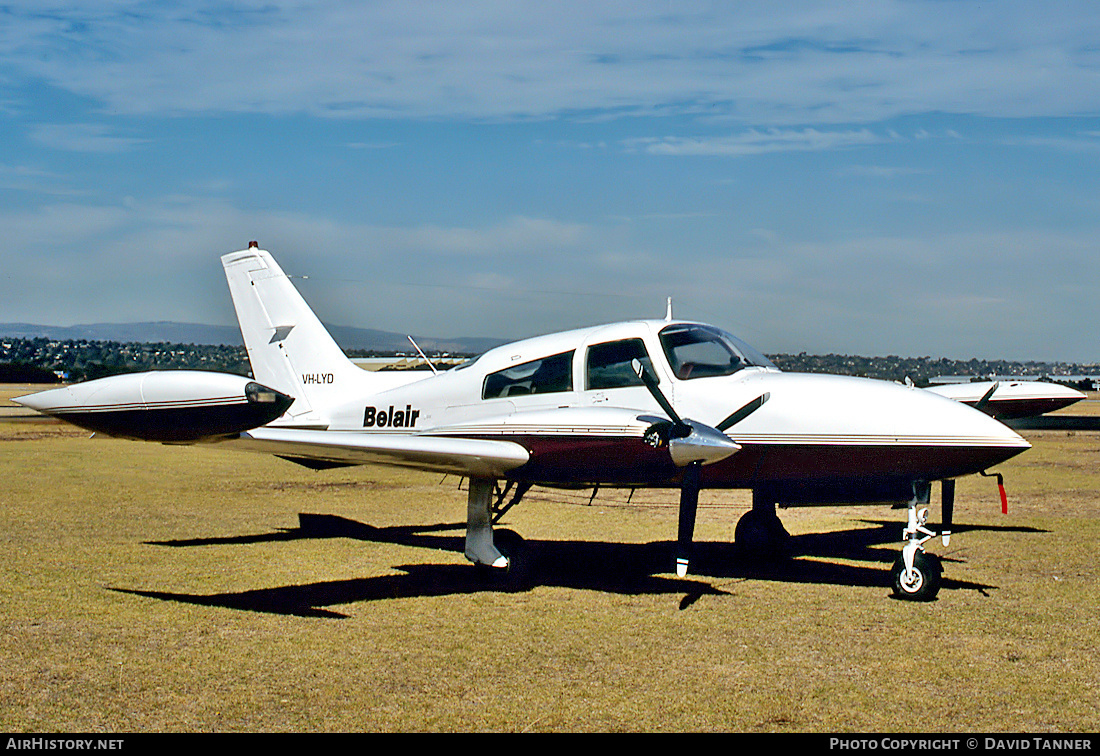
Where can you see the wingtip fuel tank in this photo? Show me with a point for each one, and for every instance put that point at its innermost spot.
(179, 406)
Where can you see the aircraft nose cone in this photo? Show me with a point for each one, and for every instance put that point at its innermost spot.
(44, 401)
(875, 427)
(953, 438)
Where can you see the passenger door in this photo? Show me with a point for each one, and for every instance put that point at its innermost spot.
(609, 377)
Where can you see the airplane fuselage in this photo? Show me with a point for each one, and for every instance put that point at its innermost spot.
(569, 400)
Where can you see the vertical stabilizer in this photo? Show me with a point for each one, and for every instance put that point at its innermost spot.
(290, 350)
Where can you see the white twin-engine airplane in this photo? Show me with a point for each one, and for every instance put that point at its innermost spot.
(642, 403)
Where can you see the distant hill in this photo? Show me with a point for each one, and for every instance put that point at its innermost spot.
(193, 333)
(173, 333)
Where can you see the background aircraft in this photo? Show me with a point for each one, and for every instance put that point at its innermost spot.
(641, 403)
(1007, 400)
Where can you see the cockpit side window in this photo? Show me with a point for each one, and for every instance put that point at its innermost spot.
(695, 351)
(548, 375)
(609, 365)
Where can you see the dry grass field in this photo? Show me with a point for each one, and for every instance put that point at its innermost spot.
(150, 588)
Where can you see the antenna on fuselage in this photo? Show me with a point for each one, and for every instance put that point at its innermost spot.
(422, 355)
(668, 309)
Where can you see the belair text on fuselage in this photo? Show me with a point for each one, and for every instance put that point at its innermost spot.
(373, 417)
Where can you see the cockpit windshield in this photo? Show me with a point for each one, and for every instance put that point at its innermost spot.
(698, 351)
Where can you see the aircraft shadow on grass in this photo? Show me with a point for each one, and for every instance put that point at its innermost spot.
(608, 567)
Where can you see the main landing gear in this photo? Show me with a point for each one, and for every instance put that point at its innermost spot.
(760, 533)
(480, 548)
(484, 507)
(916, 574)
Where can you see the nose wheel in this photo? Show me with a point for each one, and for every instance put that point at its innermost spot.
(921, 581)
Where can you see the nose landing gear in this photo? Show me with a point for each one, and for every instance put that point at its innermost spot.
(916, 573)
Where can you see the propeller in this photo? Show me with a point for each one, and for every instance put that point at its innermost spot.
(986, 397)
(681, 429)
(744, 412)
(691, 445)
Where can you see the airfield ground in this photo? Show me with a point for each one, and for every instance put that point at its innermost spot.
(155, 588)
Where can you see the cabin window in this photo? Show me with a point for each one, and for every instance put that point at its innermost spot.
(609, 365)
(545, 376)
(695, 351)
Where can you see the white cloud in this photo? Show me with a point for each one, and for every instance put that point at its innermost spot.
(81, 137)
(517, 235)
(882, 171)
(984, 294)
(720, 79)
(755, 142)
(1087, 142)
(34, 180)
(158, 259)
(759, 62)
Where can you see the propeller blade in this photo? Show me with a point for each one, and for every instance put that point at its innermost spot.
(651, 382)
(744, 412)
(985, 399)
(689, 504)
(947, 504)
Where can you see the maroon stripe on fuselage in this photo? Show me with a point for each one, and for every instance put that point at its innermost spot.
(795, 472)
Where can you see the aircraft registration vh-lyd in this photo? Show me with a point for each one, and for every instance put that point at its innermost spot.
(664, 403)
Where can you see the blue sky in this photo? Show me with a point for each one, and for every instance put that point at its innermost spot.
(887, 177)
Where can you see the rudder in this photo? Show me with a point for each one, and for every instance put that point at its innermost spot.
(289, 348)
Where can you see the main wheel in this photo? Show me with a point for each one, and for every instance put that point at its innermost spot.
(760, 535)
(924, 583)
(517, 575)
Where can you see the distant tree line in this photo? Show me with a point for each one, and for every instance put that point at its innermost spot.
(43, 360)
(81, 360)
(921, 370)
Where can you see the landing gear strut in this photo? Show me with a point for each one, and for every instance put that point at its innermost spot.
(480, 548)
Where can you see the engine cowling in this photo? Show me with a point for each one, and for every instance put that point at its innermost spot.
(174, 406)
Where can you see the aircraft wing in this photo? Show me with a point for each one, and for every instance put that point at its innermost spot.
(461, 449)
(315, 448)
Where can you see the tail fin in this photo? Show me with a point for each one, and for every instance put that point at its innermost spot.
(290, 350)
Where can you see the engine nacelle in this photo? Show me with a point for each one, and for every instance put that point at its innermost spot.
(176, 406)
